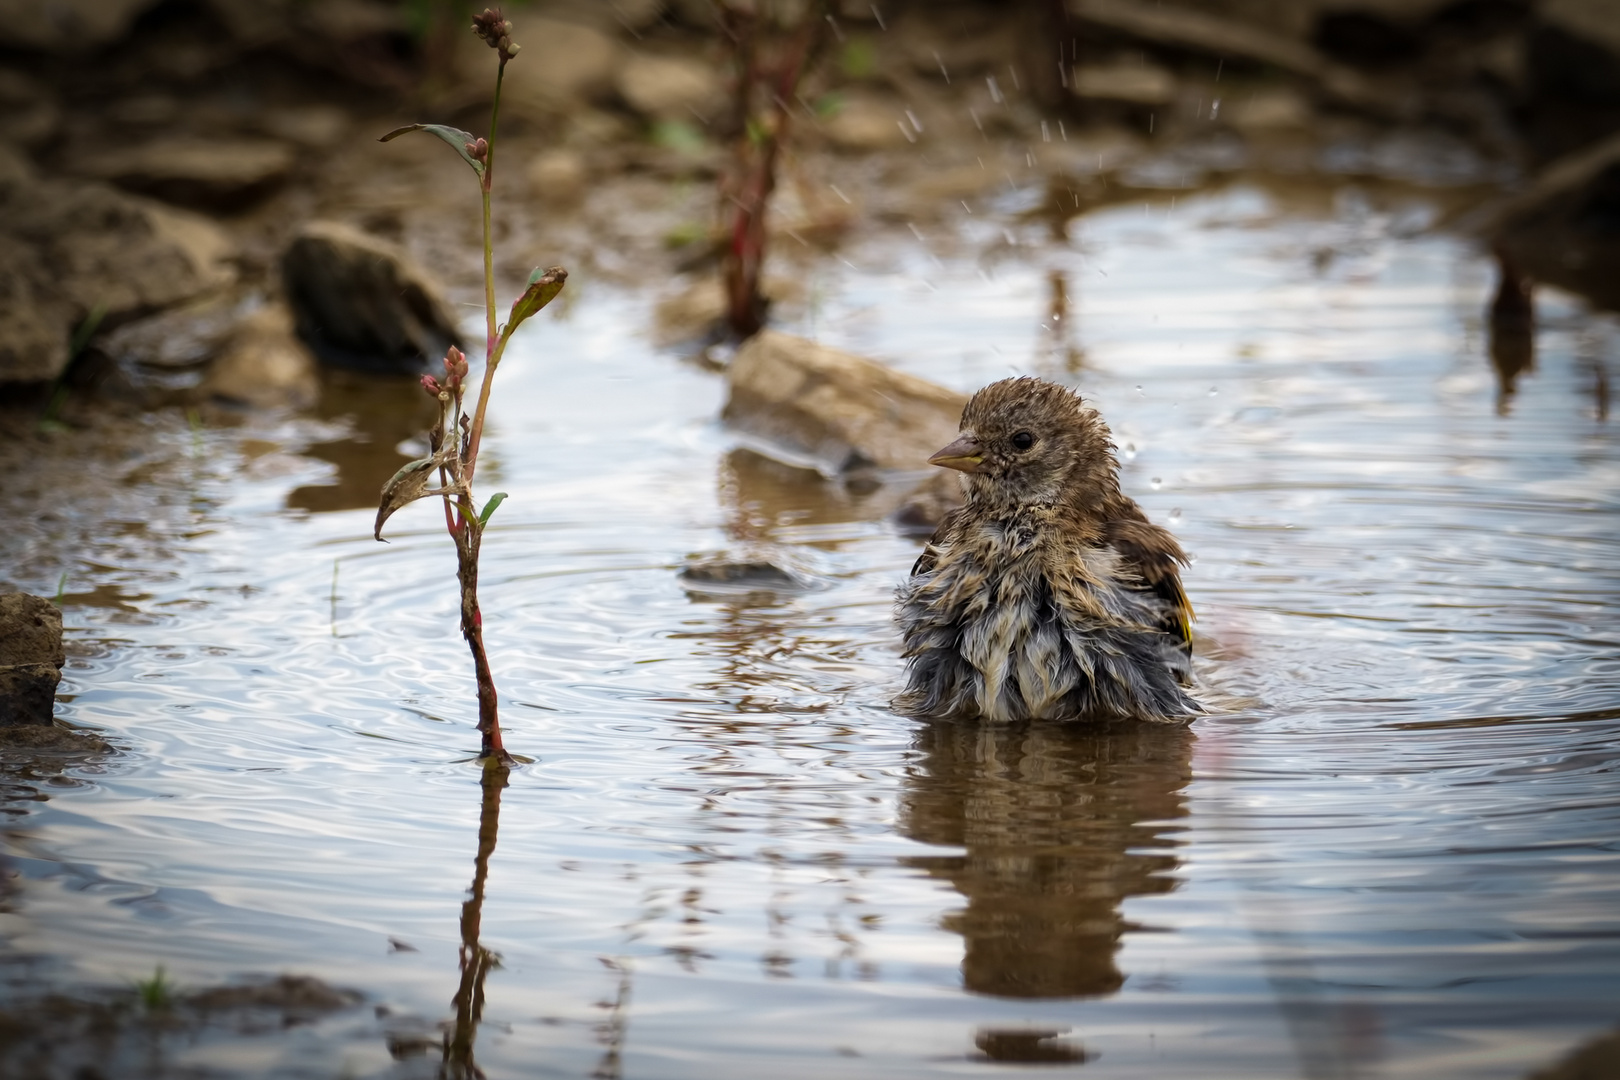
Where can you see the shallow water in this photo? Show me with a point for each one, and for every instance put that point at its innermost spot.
(1390, 849)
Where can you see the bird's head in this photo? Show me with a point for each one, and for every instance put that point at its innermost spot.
(1030, 441)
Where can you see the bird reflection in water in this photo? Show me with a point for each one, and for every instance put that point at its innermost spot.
(476, 961)
(1059, 823)
(1512, 328)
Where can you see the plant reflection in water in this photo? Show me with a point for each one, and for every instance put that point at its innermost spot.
(476, 960)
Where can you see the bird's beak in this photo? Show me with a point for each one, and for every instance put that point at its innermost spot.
(964, 454)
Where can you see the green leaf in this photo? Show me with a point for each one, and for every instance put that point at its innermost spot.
(859, 60)
(457, 138)
(678, 135)
(489, 507)
(544, 285)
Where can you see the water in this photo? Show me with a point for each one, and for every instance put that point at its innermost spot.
(1390, 850)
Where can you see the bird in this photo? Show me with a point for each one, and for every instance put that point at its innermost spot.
(1048, 594)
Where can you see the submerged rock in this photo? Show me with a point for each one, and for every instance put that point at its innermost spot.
(264, 364)
(361, 302)
(296, 996)
(71, 249)
(840, 412)
(749, 573)
(31, 659)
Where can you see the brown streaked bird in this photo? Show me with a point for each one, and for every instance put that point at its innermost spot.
(1048, 594)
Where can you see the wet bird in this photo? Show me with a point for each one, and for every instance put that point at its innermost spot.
(1048, 594)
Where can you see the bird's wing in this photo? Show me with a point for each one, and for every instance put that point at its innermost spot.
(1155, 557)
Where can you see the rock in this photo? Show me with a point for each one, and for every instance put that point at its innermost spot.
(864, 123)
(1570, 97)
(1088, 153)
(69, 248)
(557, 177)
(29, 116)
(1231, 40)
(561, 63)
(670, 87)
(636, 15)
(223, 174)
(77, 26)
(920, 512)
(1375, 33)
(952, 184)
(748, 573)
(186, 336)
(264, 365)
(292, 995)
(313, 126)
(1573, 66)
(957, 41)
(31, 659)
(1565, 227)
(259, 23)
(816, 405)
(361, 302)
(1596, 22)
(1272, 109)
(1129, 84)
(690, 313)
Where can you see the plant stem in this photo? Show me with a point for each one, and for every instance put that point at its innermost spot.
(477, 432)
(469, 540)
(467, 531)
(489, 245)
(753, 175)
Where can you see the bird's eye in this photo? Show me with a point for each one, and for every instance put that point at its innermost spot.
(1023, 440)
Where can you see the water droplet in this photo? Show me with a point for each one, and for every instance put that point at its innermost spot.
(1175, 514)
(1214, 390)
(1139, 389)
(1157, 483)
(1130, 451)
